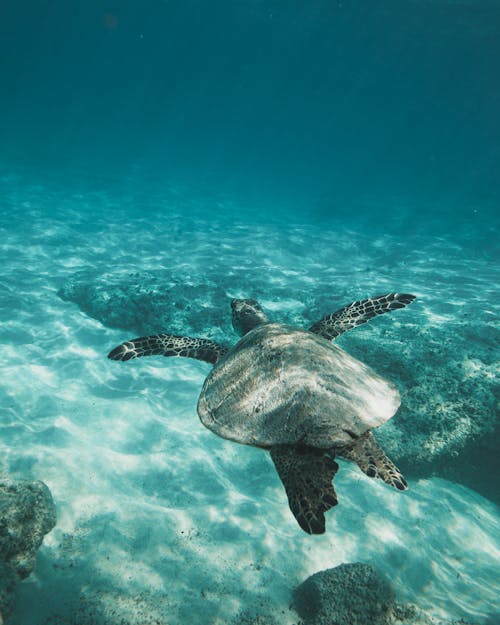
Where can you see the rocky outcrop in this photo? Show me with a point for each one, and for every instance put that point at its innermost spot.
(355, 594)
(27, 513)
(448, 377)
(152, 302)
(447, 372)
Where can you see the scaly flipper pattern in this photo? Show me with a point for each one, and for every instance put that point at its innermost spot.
(360, 312)
(169, 345)
(307, 475)
(371, 459)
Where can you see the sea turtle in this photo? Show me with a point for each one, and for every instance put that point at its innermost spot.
(296, 394)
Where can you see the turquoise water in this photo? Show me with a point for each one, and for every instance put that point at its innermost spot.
(159, 159)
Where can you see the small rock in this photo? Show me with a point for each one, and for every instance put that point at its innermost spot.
(350, 594)
(356, 594)
(27, 513)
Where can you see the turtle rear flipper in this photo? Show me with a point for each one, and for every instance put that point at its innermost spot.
(356, 313)
(169, 345)
(371, 459)
(307, 475)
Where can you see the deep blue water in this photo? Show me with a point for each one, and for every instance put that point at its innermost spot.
(312, 104)
(159, 158)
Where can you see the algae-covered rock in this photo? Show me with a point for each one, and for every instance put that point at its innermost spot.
(356, 594)
(150, 302)
(449, 379)
(349, 594)
(27, 513)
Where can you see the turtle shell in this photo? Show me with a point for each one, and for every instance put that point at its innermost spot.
(283, 385)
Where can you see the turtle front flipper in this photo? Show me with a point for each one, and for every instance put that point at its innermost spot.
(169, 345)
(371, 459)
(359, 312)
(307, 475)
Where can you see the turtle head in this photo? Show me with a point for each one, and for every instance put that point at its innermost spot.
(247, 315)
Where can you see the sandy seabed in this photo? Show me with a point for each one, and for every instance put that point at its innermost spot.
(157, 517)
